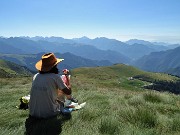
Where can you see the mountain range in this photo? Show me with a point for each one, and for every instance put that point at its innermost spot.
(133, 49)
(18, 45)
(150, 56)
(70, 61)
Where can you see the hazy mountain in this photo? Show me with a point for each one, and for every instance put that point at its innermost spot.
(101, 42)
(133, 49)
(138, 50)
(160, 61)
(174, 71)
(20, 45)
(71, 61)
(7, 48)
(84, 39)
(50, 39)
(161, 43)
(95, 49)
(91, 52)
(86, 51)
(137, 41)
(170, 46)
(158, 46)
(27, 46)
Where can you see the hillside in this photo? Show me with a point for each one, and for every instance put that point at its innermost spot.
(71, 61)
(160, 61)
(116, 104)
(10, 69)
(119, 76)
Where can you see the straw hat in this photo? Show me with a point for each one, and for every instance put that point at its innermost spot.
(47, 62)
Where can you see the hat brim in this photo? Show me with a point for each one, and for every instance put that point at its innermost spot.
(39, 66)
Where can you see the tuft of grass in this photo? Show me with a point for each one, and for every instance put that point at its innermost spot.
(140, 117)
(109, 125)
(136, 101)
(153, 97)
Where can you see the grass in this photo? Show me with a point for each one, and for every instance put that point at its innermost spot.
(112, 108)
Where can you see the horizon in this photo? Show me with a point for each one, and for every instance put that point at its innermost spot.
(89, 38)
(154, 21)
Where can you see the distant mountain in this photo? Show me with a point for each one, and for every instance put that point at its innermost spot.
(28, 46)
(71, 61)
(82, 40)
(91, 52)
(138, 50)
(170, 46)
(20, 46)
(133, 49)
(160, 61)
(10, 69)
(157, 46)
(161, 43)
(174, 71)
(50, 39)
(8, 48)
(85, 51)
(137, 41)
(102, 43)
(95, 49)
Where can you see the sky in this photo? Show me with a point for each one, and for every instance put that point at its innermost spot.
(151, 20)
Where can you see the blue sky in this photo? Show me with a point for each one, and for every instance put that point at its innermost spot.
(152, 20)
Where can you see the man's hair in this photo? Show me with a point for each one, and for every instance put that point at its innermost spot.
(53, 70)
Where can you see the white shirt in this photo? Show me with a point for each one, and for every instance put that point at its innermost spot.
(43, 102)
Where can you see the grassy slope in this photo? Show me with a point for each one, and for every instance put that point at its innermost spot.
(9, 69)
(115, 105)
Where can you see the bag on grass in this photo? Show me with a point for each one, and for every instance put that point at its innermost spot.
(24, 102)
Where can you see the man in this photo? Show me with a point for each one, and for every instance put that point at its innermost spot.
(45, 88)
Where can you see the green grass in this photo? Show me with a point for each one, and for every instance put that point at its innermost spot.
(112, 108)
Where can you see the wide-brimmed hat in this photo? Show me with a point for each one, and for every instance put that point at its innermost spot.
(47, 62)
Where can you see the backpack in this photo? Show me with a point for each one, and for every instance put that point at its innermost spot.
(24, 102)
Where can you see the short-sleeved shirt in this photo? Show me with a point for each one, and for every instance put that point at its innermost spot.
(44, 92)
